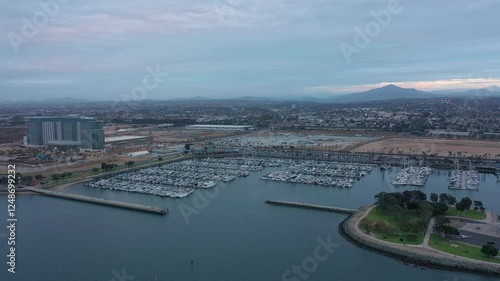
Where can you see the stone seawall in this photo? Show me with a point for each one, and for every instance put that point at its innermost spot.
(414, 255)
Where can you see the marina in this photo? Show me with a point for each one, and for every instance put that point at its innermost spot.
(463, 180)
(243, 199)
(329, 174)
(415, 176)
(178, 180)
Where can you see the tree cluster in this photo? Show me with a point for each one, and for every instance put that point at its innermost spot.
(61, 176)
(442, 225)
(410, 208)
(108, 167)
(489, 250)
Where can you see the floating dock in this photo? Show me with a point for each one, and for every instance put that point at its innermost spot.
(101, 201)
(312, 206)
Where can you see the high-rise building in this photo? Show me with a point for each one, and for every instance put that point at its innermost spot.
(68, 131)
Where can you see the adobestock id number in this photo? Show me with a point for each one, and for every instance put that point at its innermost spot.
(12, 219)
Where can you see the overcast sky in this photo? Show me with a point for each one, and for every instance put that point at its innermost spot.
(100, 50)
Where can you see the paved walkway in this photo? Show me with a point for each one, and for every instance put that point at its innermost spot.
(422, 249)
(428, 232)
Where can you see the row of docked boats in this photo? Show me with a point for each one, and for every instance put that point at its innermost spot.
(141, 187)
(416, 176)
(463, 180)
(178, 180)
(331, 174)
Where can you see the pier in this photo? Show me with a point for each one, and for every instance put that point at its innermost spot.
(463, 180)
(100, 201)
(312, 206)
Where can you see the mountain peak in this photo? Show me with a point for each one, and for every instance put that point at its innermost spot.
(391, 86)
(388, 92)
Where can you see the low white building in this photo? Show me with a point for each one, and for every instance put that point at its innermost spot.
(138, 153)
(448, 133)
(220, 127)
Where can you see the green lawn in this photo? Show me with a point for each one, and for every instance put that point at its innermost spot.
(463, 250)
(470, 214)
(396, 238)
(375, 215)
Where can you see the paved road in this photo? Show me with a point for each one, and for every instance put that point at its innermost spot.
(477, 239)
(487, 232)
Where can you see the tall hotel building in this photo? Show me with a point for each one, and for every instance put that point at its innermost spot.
(69, 131)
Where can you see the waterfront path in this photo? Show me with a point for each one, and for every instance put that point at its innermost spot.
(427, 237)
(422, 250)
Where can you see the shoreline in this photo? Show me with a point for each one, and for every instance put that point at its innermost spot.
(65, 186)
(416, 255)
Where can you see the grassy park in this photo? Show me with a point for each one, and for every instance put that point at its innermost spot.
(469, 214)
(403, 217)
(459, 249)
(387, 227)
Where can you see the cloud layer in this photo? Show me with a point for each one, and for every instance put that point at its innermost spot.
(100, 49)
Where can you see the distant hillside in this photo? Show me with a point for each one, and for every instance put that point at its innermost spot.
(58, 101)
(493, 91)
(65, 100)
(389, 92)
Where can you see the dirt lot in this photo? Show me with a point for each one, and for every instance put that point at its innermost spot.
(12, 134)
(183, 136)
(343, 133)
(173, 135)
(431, 146)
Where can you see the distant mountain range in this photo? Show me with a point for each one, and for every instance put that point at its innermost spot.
(389, 92)
(493, 91)
(59, 101)
(393, 92)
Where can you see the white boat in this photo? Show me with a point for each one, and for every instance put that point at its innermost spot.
(228, 178)
(208, 184)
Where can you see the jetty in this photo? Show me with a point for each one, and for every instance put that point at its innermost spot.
(312, 206)
(94, 200)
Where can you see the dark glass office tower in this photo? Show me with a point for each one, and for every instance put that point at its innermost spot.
(82, 132)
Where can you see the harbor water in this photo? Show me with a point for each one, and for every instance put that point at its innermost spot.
(228, 232)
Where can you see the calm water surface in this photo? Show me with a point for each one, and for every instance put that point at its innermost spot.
(235, 237)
